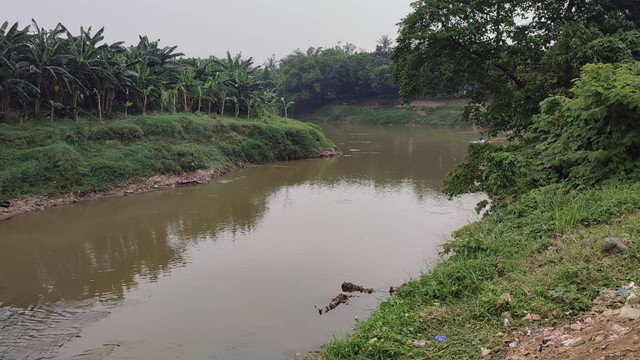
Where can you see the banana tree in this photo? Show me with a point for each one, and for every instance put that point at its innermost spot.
(47, 61)
(13, 84)
(286, 105)
(86, 66)
(187, 84)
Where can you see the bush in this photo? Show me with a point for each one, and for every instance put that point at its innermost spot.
(588, 139)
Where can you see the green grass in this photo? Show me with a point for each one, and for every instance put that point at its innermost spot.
(539, 249)
(45, 158)
(447, 114)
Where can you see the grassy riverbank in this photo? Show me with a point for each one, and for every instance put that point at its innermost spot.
(544, 250)
(50, 158)
(441, 114)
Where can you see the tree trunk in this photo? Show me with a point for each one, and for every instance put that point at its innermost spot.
(248, 111)
(209, 108)
(199, 104)
(184, 95)
(144, 105)
(36, 106)
(52, 110)
(222, 107)
(286, 114)
(99, 106)
(74, 104)
(175, 95)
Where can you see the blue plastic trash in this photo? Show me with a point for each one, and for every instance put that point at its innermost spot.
(440, 338)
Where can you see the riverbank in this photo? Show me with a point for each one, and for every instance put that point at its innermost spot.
(447, 113)
(48, 164)
(537, 262)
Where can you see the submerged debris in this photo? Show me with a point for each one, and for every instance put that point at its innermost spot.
(396, 289)
(349, 287)
(340, 299)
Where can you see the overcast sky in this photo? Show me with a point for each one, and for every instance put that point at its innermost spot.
(258, 28)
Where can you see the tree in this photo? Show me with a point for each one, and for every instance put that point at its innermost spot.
(86, 65)
(286, 105)
(515, 52)
(47, 61)
(13, 85)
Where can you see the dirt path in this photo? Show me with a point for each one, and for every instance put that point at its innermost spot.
(159, 182)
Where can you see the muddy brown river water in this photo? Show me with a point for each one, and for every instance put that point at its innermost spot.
(231, 270)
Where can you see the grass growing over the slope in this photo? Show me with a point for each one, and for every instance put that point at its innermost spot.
(446, 114)
(47, 158)
(540, 250)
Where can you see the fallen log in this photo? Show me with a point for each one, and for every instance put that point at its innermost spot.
(340, 299)
(349, 287)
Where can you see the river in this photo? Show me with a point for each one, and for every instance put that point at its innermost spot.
(232, 270)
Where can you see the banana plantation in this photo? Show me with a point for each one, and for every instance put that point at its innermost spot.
(58, 74)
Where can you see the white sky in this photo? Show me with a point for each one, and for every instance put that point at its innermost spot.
(258, 28)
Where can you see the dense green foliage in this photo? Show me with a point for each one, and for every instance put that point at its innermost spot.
(514, 53)
(71, 74)
(591, 137)
(57, 73)
(446, 114)
(536, 249)
(47, 158)
(319, 76)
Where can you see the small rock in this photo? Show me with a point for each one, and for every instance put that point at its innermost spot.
(419, 343)
(373, 340)
(513, 345)
(628, 312)
(485, 351)
(613, 246)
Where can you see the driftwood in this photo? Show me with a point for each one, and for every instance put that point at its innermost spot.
(349, 287)
(340, 299)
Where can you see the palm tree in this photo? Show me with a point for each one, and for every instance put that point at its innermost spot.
(385, 43)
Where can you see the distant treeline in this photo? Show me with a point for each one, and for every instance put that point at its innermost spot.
(56, 73)
(319, 76)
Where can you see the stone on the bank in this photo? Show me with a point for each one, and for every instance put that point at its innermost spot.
(629, 312)
(613, 246)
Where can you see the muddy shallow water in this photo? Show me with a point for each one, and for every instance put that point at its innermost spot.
(231, 269)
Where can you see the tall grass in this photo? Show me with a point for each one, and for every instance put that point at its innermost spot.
(449, 114)
(44, 158)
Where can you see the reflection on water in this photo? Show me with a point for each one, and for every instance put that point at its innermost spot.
(232, 269)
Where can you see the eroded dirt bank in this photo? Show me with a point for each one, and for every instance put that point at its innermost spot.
(159, 182)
